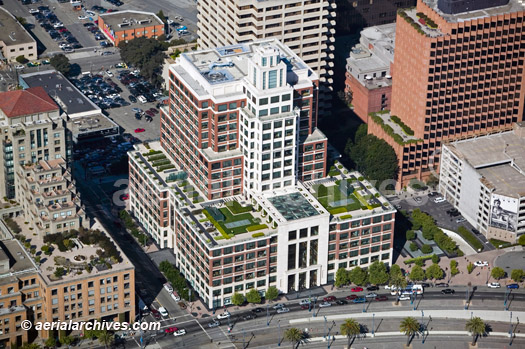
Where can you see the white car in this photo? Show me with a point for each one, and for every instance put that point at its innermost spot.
(91, 13)
(305, 302)
(175, 297)
(20, 66)
(493, 285)
(278, 306)
(439, 200)
(58, 25)
(68, 49)
(224, 315)
(108, 73)
(481, 264)
(371, 295)
(180, 332)
(82, 17)
(33, 11)
(163, 312)
(460, 220)
(404, 298)
(168, 287)
(325, 304)
(394, 292)
(282, 310)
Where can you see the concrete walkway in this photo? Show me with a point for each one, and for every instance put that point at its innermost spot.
(486, 315)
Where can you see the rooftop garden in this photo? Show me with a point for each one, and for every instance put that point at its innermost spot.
(390, 131)
(342, 197)
(403, 126)
(158, 160)
(233, 219)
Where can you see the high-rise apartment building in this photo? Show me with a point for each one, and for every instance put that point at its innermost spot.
(244, 118)
(455, 75)
(236, 186)
(307, 27)
(32, 130)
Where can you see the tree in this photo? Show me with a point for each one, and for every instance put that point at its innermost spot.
(30, 346)
(521, 240)
(146, 54)
(237, 299)
(377, 273)
(59, 272)
(67, 340)
(271, 293)
(253, 296)
(373, 157)
(350, 328)
(409, 326)
(413, 246)
(105, 338)
(397, 278)
(454, 267)
(435, 258)
(161, 16)
(358, 276)
(51, 342)
(470, 267)
(21, 59)
(426, 249)
(61, 63)
(497, 273)
(476, 327)
(417, 273)
(21, 20)
(419, 261)
(342, 277)
(434, 272)
(410, 235)
(517, 275)
(293, 335)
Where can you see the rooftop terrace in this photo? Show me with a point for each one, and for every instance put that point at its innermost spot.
(489, 10)
(126, 20)
(393, 126)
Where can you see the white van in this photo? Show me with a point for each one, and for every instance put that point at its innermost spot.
(175, 296)
(142, 99)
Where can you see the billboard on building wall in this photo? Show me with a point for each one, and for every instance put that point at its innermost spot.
(503, 212)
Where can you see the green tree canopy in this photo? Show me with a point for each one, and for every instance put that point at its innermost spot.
(293, 335)
(435, 258)
(434, 272)
(476, 327)
(372, 156)
(409, 326)
(61, 63)
(237, 299)
(350, 328)
(378, 274)
(160, 14)
(253, 296)
(426, 249)
(146, 54)
(410, 235)
(271, 293)
(358, 276)
(342, 277)
(417, 273)
(105, 338)
(521, 240)
(517, 275)
(498, 273)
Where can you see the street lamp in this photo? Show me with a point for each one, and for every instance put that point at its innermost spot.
(373, 325)
(466, 299)
(324, 337)
(279, 325)
(267, 315)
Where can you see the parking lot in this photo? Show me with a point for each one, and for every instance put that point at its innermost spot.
(438, 211)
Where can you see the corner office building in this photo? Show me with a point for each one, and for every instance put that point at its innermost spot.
(455, 75)
(236, 186)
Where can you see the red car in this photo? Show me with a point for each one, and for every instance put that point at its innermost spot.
(153, 110)
(62, 30)
(329, 299)
(156, 314)
(381, 298)
(171, 329)
(150, 113)
(124, 197)
(305, 306)
(139, 130)
(357, 289)
(351, 297)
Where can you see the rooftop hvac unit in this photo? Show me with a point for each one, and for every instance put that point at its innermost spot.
(145, 21)
(123, 25)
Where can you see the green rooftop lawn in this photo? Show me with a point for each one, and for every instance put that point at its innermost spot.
(230, 217)
(325, 195)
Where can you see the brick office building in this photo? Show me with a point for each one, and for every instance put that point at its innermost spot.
(456, 75)
(128, 25)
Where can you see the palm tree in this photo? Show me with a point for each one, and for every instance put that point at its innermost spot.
(350, 328)
(476, 326)
(409, 326)
(293, 335)
(105, 338)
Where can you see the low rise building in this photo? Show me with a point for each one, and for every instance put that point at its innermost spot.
(368, 78)
(293, 237)
(483, 178)
(127, 25)
(15, 40)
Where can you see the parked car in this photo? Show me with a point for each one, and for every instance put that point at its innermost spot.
(257, 310)
(493, 285)
(282, 310)
(155, 314)
(278, 306)
(371, 295)
(163, 312)
(224, 315)
(439, 200)
(167, 286)
(404, 298)
(372, 288)
(132, 99)
(513, 286)
(329, 299)
(19, 66)
(305, 301)
(360, 300)
(448, 291)
(180, 332)
(171, 329)
(460, 220)
(481, 264)
(351, 297)
(139, 130)
(341, 302)
(381, 298)
(357, 289)
(442, 284)
(305, 306)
